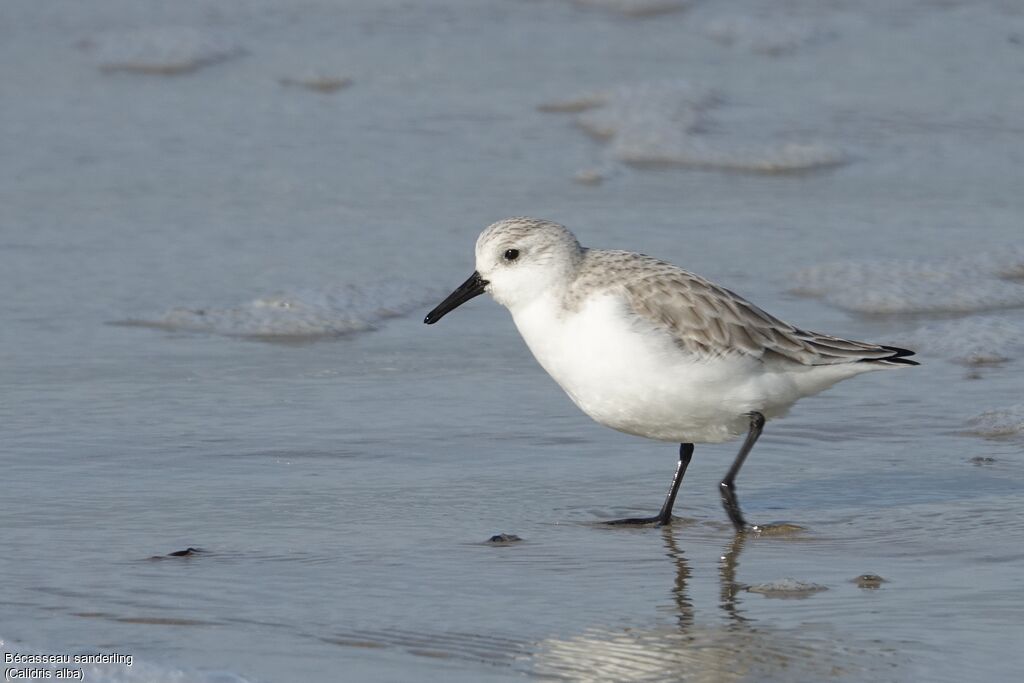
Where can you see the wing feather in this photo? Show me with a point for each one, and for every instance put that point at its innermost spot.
(708, 320)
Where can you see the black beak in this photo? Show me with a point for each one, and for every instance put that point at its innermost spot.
(472, 287)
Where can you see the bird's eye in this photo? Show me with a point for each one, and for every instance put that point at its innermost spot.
(511, 254)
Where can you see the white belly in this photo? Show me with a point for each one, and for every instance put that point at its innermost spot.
(630, 376)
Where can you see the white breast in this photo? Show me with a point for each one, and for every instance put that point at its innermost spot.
(630, 376)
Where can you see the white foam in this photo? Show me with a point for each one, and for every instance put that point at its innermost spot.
(632, 109)
(689, 150)
(638, 8)
(963, 284)
(769, 35)
(996, 423)
(162, 50)
(787, 588)
(301, 314)
(970, 341)
(138, 672)
(660, 123)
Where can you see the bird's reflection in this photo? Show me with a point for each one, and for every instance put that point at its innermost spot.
(680, 591)
(691, 649)
(728, 586)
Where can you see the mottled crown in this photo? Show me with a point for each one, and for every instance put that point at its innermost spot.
(542, 235)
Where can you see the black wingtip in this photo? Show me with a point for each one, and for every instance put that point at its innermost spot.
(898, 356)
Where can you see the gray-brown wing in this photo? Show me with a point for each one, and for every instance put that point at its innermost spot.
(708, 320)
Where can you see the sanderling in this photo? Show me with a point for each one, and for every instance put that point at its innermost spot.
(647, 348)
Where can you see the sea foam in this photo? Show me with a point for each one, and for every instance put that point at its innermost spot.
(975, 340)
(661, 122)
(165, 51)
(998, 423)
(302, 314)
(963, 284)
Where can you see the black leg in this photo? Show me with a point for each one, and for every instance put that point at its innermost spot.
(665, 516)
(726, 488)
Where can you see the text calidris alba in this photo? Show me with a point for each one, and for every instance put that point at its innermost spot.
(647, 348)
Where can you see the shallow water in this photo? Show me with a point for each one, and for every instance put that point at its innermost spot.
(269, 395)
